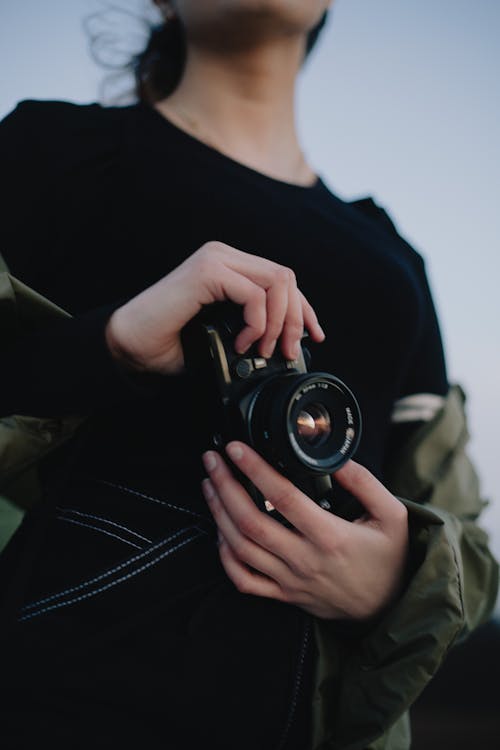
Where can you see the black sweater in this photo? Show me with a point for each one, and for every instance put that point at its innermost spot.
(98, 203)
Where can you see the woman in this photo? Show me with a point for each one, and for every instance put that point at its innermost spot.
(130, 624)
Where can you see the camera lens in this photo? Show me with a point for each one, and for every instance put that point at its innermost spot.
(314, 424)
(304, 422)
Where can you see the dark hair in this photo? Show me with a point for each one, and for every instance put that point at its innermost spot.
(158, 68)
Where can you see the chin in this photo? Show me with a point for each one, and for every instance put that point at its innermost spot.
(303, 13)
(289, 15)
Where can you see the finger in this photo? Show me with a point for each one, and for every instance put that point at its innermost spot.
(293, 328)
(264, 272)
(377, 500)
(238, 288)
(303, 513)
(311, 320)
(276, 308)
(251, 522)
(244, 548)
(245, 580)
(261, 271)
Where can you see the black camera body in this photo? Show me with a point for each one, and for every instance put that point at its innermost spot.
(305, 424)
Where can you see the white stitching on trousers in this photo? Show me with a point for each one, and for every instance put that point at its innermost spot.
(104, 520)
(149, 497)
(109, 572)
(112, 583)
(96, 528)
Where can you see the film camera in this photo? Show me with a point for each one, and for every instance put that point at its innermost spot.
(305, 424)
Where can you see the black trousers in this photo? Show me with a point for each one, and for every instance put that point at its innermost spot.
(121, 629)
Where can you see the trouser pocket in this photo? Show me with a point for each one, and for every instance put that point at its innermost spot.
(108, 551)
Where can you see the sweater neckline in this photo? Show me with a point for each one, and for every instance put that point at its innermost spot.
(164, 121)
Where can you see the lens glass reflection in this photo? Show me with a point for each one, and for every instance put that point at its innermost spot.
(314, 424)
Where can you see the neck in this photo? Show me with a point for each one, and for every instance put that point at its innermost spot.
(242, 103)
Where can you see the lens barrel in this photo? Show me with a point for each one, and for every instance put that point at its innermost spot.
(305, 423)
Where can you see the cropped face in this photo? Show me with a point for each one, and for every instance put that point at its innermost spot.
(229, 22)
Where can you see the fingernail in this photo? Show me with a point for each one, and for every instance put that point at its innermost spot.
(208, 489)
(209, 460)
(296, 351)
(268, 351)
(239, 347)
(234, 451)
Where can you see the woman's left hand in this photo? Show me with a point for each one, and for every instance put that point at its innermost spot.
(330, 567)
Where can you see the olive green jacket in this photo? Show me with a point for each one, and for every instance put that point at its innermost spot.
(367, 680)
(24, 440)
(369, 675)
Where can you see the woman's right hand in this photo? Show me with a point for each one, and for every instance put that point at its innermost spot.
(144, 334)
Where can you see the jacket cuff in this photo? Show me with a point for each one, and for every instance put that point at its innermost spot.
(386, 668)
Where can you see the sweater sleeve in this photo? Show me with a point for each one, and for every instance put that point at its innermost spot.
(61, 366)
(424, 382)
(66, 368)
(426, 368)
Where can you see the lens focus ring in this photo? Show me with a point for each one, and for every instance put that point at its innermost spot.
(305, 423)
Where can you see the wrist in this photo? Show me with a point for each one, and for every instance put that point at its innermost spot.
(116, 346)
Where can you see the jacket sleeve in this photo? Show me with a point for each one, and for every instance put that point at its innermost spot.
(436, 473)
(451, 589)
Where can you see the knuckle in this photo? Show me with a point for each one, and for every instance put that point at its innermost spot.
(250, 526)
(361, 476)
(260, 295)
(335, 544)
(211, 247)
(299, 592)
(217, 512)
(205, 251)
(286, 595)
(305, 568)
(295, 326)
(400, 513)
(259, 329)
(240, 548)
(205, 263)
(281, 275)
(218, 475)
(215, 508)
(285, 496)
(257, 295)
(273, 329)
(243, 584)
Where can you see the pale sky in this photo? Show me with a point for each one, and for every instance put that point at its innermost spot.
(400, 101)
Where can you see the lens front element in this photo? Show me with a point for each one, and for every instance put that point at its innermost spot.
(314, 424)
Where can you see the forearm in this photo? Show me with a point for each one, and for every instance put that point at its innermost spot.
(67, 368)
